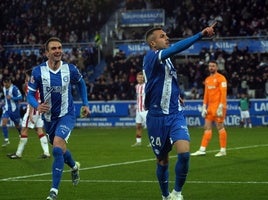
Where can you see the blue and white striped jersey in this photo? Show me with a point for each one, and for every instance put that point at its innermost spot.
(162, 91)
(13, 103)
(55, 88)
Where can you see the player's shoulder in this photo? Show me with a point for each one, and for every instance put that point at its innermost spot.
(150, 58)
(14, 87)
(71, 66)
(150, 54)
(220, 76)
(68, 64)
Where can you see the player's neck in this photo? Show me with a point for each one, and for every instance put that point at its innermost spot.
(54, 65)
(213, 73)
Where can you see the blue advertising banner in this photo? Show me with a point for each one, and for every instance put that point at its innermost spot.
(117, 113)
(134, 49)
(258, 112)
(35, 49)
(254, 46)
(258, 107)
(141, 18)
(106, 109)
(106, 122)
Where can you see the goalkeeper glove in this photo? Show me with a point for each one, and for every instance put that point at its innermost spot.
(220, 110)
(204, 111)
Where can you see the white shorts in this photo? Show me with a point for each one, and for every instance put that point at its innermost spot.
(37, 120)
(141, 117)
(244, 114)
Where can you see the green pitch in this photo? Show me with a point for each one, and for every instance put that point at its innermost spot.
(112, 169)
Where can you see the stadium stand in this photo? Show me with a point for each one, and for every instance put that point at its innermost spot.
(32, 22)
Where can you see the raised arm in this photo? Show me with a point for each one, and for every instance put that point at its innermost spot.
(186, 43)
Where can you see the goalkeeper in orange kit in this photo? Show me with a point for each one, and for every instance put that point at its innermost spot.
(214, 109)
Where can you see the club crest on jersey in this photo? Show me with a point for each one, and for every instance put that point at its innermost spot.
(66, 78)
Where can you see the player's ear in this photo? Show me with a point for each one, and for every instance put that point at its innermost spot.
(47, 54)
(152, 44)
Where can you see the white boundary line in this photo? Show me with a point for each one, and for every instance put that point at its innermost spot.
(20, 178)
(144, 181)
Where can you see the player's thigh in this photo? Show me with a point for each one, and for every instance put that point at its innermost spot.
(143, 116)
(138, 118)
(65, 126)
(26, 122)
(39, 122)
(15, 117)
(178, 128)
(158, 135)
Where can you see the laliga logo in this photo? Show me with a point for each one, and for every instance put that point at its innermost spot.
(105, 108)
(261, 106)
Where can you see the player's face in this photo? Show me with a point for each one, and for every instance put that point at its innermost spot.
(6, 84)
(160, 40)
(54, 52)
(140, 79)
(212, 67)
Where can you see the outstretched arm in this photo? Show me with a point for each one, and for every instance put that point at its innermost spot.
(186, 43)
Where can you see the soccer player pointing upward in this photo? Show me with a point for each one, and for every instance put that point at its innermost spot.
(53, 79)
(165, 120)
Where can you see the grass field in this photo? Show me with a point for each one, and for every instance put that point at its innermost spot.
(111, 169)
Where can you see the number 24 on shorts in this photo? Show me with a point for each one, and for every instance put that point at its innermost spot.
(155, 141)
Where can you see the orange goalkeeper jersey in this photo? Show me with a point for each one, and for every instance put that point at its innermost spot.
(215, 91)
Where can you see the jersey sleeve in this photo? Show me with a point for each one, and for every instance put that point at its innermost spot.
(76, 76)
(205, 98)
(180, 46)
(223, 90)
(32, 88)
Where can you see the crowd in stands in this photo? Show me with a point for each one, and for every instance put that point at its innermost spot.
(32, 22)
(184, 18)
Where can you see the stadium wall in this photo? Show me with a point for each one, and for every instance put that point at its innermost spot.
(118, 113)
(122, 113)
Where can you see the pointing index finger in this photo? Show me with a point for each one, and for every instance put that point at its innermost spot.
(213, 25)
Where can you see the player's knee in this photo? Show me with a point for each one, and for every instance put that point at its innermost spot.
(184, 157)
(57, 151)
